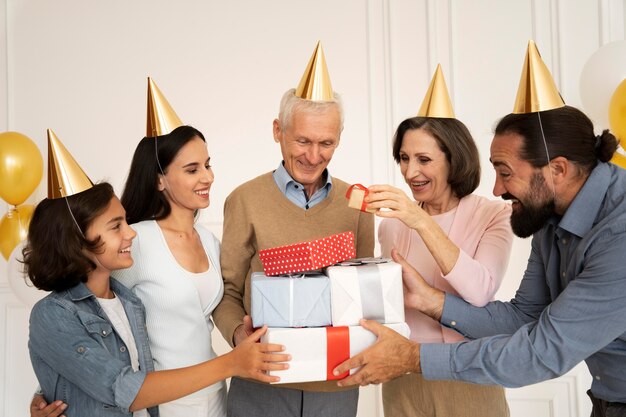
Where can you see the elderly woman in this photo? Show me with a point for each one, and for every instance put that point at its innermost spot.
(459, 243)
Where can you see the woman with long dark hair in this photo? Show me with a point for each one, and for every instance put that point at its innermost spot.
(177, 271)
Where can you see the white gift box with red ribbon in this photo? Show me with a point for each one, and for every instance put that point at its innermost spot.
(315, 352)
(370, 288)
(308, 256)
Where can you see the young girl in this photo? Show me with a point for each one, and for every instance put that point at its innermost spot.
(88, 341)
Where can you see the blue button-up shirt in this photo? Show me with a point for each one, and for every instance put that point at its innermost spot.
(79, 358)
(294, 191)
(570, 306)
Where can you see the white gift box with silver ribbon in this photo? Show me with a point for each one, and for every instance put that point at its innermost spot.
(370, 288)
(301, 300)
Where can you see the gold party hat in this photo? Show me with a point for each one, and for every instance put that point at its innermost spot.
(65, 176)
(437, 101)
(537, 90)
(315, 83)
(162, 119)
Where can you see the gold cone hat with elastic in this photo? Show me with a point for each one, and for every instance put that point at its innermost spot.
(162, 119)
(537, 90)
(315, 83)
(65, 176)
(437, 101)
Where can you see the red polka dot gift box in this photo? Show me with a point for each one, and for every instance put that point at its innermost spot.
(308, 256)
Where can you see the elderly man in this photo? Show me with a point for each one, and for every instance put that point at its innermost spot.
(571, 303)
(298, 201)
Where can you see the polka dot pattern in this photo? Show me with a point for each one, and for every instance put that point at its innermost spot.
(307, 256)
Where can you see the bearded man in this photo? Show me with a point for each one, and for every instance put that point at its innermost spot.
(571, 303)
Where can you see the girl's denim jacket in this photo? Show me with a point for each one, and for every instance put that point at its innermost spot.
(80, 359)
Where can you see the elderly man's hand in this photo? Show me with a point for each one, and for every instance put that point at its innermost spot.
(417, 293)
(391, 356)
(243, 330)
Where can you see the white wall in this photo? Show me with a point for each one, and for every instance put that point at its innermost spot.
(80, 66)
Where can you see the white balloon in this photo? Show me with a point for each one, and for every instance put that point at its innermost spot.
(19, 282)
(601, 75)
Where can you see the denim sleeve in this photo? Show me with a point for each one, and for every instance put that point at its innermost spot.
(59, 338)
(498, 317)
(587, 316)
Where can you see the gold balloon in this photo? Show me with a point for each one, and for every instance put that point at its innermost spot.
(619, 160)
(617, 112)
(14, 228)
(21, 167)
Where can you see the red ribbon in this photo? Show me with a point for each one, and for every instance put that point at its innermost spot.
(337, 350)
(359, 187)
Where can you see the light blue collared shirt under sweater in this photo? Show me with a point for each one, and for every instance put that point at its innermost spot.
(294, 191)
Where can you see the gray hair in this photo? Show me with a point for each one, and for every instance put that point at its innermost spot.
(291, 104)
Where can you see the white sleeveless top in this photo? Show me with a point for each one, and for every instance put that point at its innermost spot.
(178, 303)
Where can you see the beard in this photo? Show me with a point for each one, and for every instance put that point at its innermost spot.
(534, 209)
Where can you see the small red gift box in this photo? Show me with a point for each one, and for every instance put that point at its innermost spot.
(356, 195)
(307, 256)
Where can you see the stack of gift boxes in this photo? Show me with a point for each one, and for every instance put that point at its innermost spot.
(315, 312)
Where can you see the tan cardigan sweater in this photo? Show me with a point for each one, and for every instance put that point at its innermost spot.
(258, 216)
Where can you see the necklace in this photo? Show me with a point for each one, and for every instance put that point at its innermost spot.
(421, 204)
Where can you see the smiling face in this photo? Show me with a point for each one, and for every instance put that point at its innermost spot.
(308, 144)
(517, 180)
(424, 167)
(188, 178)
(115, 237)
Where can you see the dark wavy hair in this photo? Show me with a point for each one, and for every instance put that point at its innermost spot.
(568, 132)
(54, 255)
(455, 141)
(141, 197)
